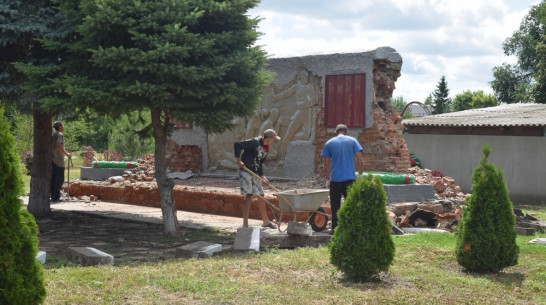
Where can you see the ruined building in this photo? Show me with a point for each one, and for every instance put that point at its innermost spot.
(308, 97)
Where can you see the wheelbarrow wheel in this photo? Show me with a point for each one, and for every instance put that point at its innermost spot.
(318, 221)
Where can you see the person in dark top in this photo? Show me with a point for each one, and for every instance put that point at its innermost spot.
(251, 153)
(57, 171)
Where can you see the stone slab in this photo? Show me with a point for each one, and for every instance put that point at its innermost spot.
(423, 230)
(198, 249)
(299, 229)
(409, 192)
(525, 231)
(88, 256)
(284, 241)
(299, 161)
(247, 239)
(91, 173)
(538, 241)
(41, 256)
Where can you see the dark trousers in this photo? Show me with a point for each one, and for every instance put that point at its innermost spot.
(57, 180)
(337, 189)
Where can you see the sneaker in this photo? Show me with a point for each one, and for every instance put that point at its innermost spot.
(270, 225)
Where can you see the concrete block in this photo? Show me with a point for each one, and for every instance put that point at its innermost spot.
(41, 256)
(198, 249)
(299, 161)
(538, 241)
(102, 174)
(409, 192)
(299, 229)
(88, 256)
(525, 231)
(422, 230)
(247, 239)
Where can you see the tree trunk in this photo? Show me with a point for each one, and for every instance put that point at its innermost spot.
(40, 179)
(164, 184)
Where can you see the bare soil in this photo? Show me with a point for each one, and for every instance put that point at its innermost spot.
(129, 242)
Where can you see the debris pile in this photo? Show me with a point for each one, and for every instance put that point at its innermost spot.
(441, 214)
(444, 187)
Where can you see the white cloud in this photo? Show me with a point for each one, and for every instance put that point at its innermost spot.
(459, 39)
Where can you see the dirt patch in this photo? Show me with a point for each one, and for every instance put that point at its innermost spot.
(129, 242)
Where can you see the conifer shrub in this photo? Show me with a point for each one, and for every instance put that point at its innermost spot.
(362, 244)
(21, 275)
(486, 238)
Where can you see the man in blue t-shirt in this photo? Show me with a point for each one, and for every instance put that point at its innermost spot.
(339, 166)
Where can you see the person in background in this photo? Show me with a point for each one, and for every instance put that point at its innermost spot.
(251, 153)
(339, 167)
(57, 171)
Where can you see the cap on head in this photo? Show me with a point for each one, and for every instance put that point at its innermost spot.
(57, 124)
(270, 133)
(341, 127)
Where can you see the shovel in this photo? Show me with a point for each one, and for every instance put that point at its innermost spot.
(261, 179)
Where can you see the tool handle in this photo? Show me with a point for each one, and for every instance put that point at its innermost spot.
(261, 179)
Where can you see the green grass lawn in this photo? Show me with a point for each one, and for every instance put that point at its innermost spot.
(424, 271)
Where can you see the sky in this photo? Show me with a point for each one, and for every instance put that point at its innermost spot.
(459, 39)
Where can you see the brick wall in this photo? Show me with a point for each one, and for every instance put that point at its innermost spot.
(384, 148)
(147, 194)
(181, 158)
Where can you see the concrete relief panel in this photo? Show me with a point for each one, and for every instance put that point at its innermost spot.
(291, 110)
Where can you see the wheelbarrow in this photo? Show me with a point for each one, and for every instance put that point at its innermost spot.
(303, 201)
(299, 201)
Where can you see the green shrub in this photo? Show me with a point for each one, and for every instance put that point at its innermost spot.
(486, 238)
(21, 275)
(362, 245)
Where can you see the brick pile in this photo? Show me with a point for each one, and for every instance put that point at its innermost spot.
(444, 187)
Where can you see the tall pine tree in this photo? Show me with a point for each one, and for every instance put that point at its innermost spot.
(441, 100)
(191, 60)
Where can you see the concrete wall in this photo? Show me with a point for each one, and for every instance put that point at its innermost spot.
(522, 159)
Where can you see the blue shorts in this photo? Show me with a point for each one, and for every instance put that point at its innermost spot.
(250, 185)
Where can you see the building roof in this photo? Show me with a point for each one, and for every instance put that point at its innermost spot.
(513, 115)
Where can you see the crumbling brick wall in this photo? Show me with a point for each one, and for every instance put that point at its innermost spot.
(384, 148)
(181, 158)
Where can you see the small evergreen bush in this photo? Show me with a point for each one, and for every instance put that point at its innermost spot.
(486, 238)
(21, 275)
(362, 245)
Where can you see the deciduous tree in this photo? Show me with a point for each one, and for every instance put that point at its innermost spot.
(523, 81)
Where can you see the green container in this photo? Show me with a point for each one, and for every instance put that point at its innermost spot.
(114, 164)
(391, 178)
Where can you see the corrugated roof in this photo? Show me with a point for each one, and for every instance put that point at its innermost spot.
(515, 115)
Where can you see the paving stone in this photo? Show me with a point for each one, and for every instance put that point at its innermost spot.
(299, 229)
(198, 249)
(88, 256)
(41, 256)
(538, 241)
(525, 231)
(247, 239)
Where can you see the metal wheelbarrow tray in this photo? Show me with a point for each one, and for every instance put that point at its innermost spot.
(305, 200)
